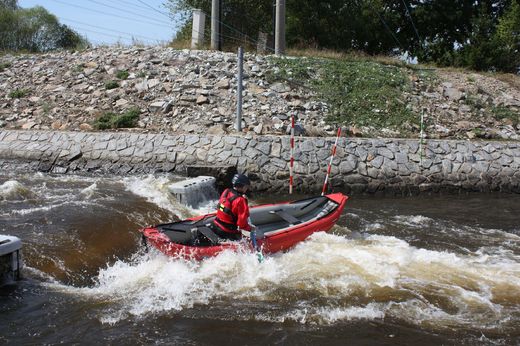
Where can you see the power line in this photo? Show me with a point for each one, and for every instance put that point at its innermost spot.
(411, 20)
(100, 33)
(107, 29)
(389, 30)
(111, 14)
(129, 12)
(252, 40)
(134, 5)
(153, 8)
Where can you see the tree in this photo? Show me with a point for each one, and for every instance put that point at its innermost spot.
(482, 34)
(507, 38)
(34, 29)
(9, 4)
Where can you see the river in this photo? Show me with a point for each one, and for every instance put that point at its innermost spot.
(437, 269)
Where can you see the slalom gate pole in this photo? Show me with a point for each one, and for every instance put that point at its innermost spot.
(330, 162)
(291, 163)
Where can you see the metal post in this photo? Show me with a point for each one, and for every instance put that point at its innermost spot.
(215, 25)
(279, 40)
(238, 125)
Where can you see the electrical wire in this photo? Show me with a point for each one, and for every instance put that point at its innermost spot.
(411, 20)
(107, 29)
(102, 33)
(132, 4)
(140, 15)
(153, 8)
(389, 30)
(234, 29)
(111, 14)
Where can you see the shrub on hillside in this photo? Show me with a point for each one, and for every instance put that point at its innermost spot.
(111, 84)
(116, 121)
(4, 65)
(19, 93)
(122, 74)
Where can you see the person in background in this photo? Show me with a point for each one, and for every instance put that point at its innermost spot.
(233, 210)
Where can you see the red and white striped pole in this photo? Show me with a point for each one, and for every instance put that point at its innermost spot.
(330, 162)
(291, 163)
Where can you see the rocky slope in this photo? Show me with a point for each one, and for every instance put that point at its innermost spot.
(181, 91)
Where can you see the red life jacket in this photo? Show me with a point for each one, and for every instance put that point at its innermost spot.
(225, 216)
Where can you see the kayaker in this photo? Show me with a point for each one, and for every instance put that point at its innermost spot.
(233, 210)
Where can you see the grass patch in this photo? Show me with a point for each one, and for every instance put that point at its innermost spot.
(46, 108)
(358, 92)
(502, 113)
(116, 121)
(111, 84)
(79, 68)
(509, 78)
(479, 133)
(122, 74)
(19, 93)
(4, 65)
(474, 102)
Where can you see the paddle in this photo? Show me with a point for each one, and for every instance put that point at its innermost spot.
(259, 254)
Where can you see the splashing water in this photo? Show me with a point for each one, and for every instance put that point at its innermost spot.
(13, 190)
(324, 280)
(431, 271)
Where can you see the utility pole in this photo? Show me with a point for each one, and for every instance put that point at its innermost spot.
(215, 25)
(279, 40)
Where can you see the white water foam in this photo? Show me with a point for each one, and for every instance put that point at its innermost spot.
(155, 190)
(89, 191)
(437, 289)
(13, 189)
(64, 204)
(412, 220)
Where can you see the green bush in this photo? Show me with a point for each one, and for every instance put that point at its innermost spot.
(359, 92)
(111, 84)
(122, 74)
(116, 121)
(4, 65)
(19, 93)
(501, 113)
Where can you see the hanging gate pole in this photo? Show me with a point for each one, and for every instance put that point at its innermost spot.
(291, 163)
(330, 163)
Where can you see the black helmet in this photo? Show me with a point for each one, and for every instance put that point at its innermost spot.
(240, 180)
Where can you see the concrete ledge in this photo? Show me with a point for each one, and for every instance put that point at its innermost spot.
(361, 165)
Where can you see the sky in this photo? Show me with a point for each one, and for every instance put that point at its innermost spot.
(113, 21)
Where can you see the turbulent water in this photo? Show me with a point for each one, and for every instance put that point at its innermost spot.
(430, 269)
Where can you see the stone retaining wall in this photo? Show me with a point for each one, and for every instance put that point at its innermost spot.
(361, 165)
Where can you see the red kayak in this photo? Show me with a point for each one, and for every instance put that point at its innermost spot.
(278, 227)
